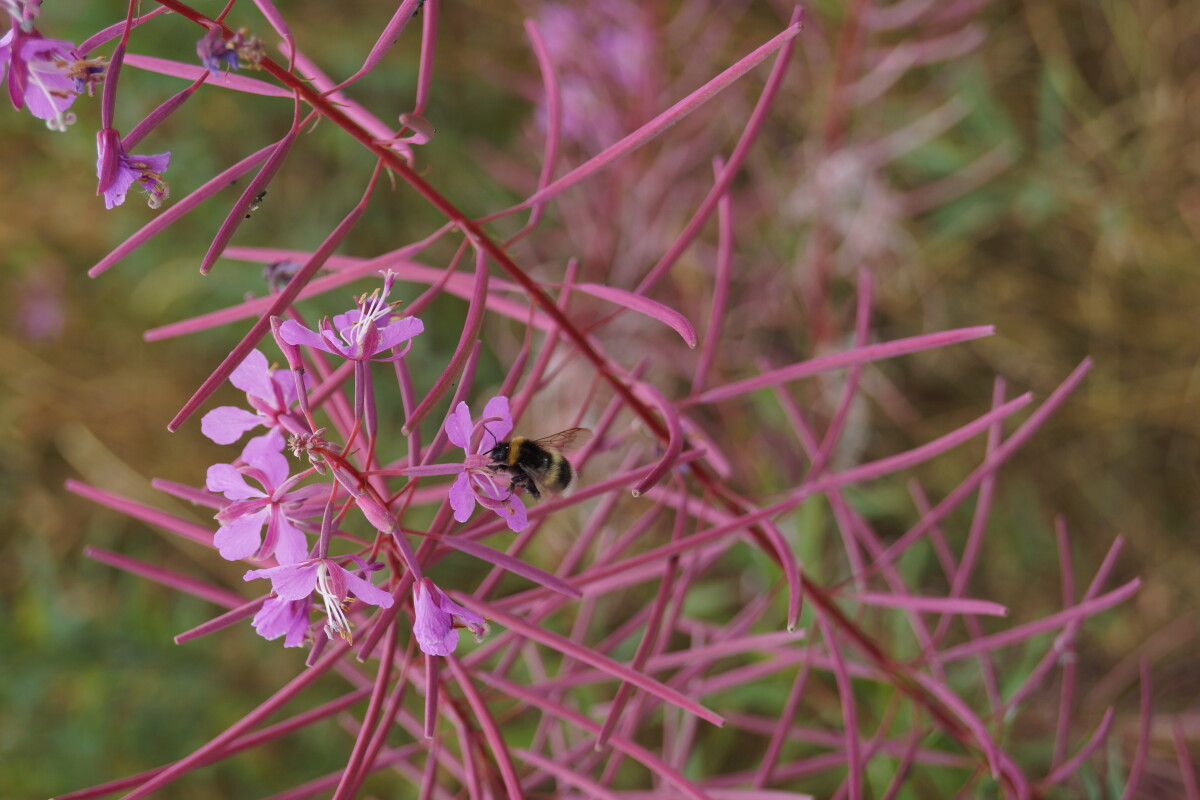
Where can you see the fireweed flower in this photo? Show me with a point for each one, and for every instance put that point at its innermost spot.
(214, 50)
(118, 171)
(46, 75)
(286, 618)
(365, 331)
(269, 393)
(437, 618)
(332, 581)
(276, 505)
(476, 482)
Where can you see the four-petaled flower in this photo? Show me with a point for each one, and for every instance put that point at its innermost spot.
(118, 171)
(275, 505)
(46, 75)
(269, 393)
(477, 481)
(332, 581)
(287, 618)
(437, 619)
(365, 331)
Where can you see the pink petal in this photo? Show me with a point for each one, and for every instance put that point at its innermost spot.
(458, 428)
(505, 505)
(515, 515)
(278, 617)
(286, 385)
(265, 453)
(366, 591)
(462, 499)
(398, 331)
(225, 479)
(292, 545)
(49, 91)
(344, 324)
(293, 332)
(501, 423)
(434, 638)
(291, 582)
(432, 626)
(226, 424)
(48, 94)
(467, 618)
(242, 537)
(6, 50)
(253, 376)
(114, 193)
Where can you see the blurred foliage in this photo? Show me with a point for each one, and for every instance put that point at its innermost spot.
(1085, 245)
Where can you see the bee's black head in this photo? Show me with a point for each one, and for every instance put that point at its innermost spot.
(499, 452)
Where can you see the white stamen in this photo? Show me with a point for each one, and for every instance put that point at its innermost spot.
(338, 623)
(372, 308)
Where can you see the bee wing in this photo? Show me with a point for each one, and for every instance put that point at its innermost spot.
(565, 441)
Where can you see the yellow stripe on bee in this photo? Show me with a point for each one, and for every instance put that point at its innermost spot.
(514, 450)
(558, 474)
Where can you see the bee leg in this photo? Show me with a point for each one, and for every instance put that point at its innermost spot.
(517, 481)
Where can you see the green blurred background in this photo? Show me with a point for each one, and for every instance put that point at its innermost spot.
(1084, 243)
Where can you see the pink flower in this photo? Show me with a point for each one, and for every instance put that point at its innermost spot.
(118, 171)
(477, 482)
(438, 618)
(287, 618)
(332, 581)
(269, 392)
(46, 75)
(275, 505)
(365, 331)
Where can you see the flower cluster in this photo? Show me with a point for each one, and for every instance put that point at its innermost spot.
(270, 513)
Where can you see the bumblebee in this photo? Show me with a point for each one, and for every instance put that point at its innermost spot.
(538, 465)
